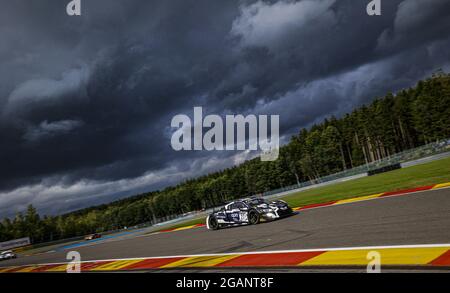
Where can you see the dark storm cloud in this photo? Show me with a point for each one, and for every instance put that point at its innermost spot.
(86, 102)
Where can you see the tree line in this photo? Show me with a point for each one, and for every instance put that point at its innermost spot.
(388, 125)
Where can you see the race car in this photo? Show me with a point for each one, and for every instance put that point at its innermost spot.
(92, 236)
(247, 212)
(8, 254)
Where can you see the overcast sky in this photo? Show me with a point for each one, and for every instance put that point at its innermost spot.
(86, 102)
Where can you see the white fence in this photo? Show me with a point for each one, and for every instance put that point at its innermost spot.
(15, 243)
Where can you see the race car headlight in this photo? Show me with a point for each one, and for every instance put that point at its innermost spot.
(271, 214)
(263, 210)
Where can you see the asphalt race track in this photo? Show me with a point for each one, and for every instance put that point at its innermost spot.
(418, 218)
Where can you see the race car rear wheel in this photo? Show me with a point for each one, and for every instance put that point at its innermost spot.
(253, 217)
(213, 224)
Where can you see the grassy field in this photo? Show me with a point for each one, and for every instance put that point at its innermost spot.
(421, 175)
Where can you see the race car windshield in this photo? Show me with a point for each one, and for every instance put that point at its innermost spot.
(257, 201)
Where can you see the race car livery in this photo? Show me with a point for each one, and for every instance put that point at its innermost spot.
(247, 212)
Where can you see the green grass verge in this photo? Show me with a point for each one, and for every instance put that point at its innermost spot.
(421, 175)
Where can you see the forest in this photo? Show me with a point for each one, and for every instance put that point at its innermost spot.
(389, 124)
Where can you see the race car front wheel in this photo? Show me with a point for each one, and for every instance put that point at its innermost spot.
(253, 217)
(212, 223)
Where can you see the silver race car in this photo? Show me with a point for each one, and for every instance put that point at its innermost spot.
(247, 212)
